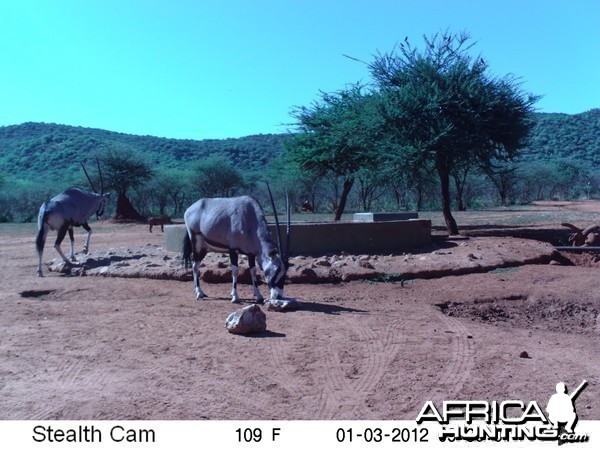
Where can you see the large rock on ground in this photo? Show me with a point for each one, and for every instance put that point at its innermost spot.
(250, 319)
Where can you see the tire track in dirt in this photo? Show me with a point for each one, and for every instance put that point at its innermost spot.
(237, 405)
(284, 370)
(70, 382)
(451, 380)
(74, 380)
(46, 412)
(344, 396)
(340, 394)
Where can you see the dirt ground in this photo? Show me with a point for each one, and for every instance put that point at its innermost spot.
(497, 316)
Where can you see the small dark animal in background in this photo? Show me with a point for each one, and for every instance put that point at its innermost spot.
(306, 206)
(159, 220)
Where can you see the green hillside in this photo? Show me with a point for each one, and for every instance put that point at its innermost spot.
(558, 136)
(32, 150)
(37, 160)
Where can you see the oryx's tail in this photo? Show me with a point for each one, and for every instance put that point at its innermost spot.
(186, 251)
(39, 239)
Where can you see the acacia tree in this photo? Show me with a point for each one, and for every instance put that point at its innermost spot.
(216, 176)
(124, 170)
(441, 106)
(337, 135)
(284, 174)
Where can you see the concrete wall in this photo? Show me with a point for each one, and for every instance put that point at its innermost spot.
(384, 217)
(316, 239)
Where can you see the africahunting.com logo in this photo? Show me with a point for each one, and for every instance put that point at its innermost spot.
(508, 420)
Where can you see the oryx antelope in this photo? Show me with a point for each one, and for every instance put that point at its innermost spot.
(71, 208)
(236, 226)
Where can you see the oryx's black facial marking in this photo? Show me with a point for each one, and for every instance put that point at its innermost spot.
(100, 211)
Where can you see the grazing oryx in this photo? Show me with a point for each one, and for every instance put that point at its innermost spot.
(234, 225)
(71, 208)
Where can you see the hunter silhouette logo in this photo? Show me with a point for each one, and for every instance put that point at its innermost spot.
(561, 409)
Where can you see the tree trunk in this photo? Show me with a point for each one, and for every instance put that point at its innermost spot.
(125, 210)
(419, 197)
(348, 182)
(459, 182)
(446, 201)
(459, 195)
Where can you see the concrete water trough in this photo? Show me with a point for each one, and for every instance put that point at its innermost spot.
(320, 238)
(384, 217)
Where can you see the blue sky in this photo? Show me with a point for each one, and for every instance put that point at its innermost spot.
(229, 68)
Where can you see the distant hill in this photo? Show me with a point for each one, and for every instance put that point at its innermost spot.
(34, 150)
(575, 136)
(48, 150)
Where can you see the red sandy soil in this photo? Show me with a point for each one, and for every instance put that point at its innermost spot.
(497, 316)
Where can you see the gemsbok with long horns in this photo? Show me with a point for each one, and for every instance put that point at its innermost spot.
(236, 226)
(71, 208)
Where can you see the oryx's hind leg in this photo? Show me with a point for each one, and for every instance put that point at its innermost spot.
(72, 239)
(252, 263)
(198, 254)
(40, 241)
(62, 231)
(86, 246)
(233, 256)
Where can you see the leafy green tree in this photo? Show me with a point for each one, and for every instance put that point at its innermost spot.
(571, 176)
(460, 174)
(372, 184)
(176, 185)
(285, 175)
(123, 170)
(503, 176)
(442, 106)
(337, 135)
(538, 180)
(165, 193)
(216, 176)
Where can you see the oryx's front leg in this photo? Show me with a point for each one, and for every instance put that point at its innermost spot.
(86, 246)
(252, 263)
(233, 256)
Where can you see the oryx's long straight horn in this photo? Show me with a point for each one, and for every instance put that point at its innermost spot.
(276, 219)
(88, 178)
(100, 174)
(288, 226)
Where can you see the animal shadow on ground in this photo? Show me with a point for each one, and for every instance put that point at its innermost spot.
(305, 306)
(266, 334)
(328, 309)
(36, 293)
